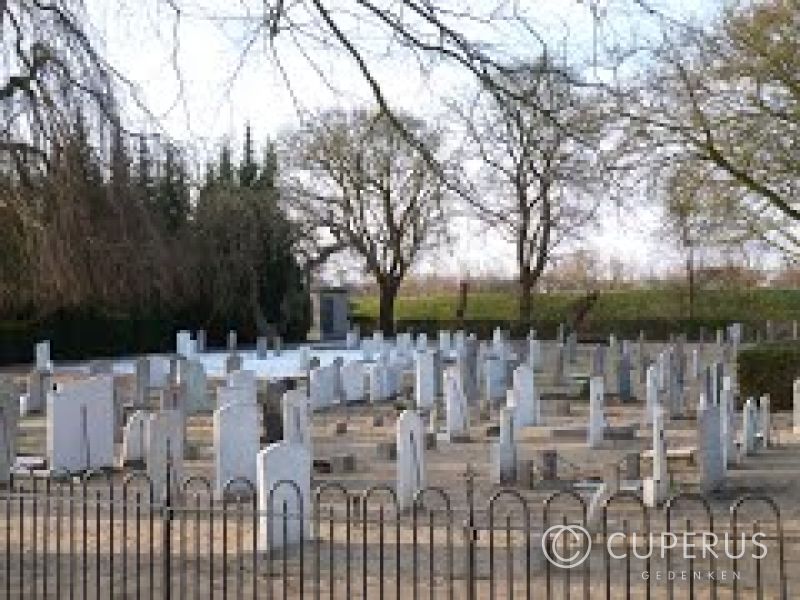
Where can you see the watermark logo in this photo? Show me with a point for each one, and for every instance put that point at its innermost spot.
(554, 546)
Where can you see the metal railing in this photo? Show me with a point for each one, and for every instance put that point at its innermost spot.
(94, 537)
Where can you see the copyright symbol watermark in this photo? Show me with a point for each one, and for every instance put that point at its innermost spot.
(578, 538)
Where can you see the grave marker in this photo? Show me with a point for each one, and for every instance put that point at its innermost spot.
(410, 458)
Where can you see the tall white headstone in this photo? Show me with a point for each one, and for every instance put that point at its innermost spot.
(284, 495)
(9, 413)
(455, 404)
(164, 447)
(43, 362)
(134, 438)
(534, 353)
(504, 451)
(765, 421)
(425, 379)
(410, 432)
(710, 460)
(236, 443)
(749, 426)
(596, 412)
(726, 424)
(80, 425)
(796, 405)
(651, 393)
(296, 427)
(444, 342)
(527, 397)
(655, 488)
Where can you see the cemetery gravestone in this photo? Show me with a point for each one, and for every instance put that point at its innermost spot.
(236, 443)
(410, 458)
(80, 425)
(284, 484)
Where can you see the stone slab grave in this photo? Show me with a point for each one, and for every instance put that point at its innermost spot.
(236, 443)
(410, 441)
(80, 425)
(284, 495)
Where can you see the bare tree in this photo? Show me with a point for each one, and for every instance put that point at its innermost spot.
(727, 98)
(354, 177)
(539, 166)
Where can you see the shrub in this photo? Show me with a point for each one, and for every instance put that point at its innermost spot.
(770, 369)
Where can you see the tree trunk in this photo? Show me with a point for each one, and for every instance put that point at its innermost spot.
(388, 294)
(525, 300)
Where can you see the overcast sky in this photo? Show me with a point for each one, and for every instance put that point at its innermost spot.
(189, 73)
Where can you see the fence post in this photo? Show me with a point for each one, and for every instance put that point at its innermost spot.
(166, 529)
(470, 535)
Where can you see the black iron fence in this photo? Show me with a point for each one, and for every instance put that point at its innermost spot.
(97, 537)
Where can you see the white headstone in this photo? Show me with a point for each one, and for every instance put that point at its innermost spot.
(354, 381)
(159, 371)
(422, 342)
(236, 443)
(749, 426)
(765, 421)
(197, 398)
(322, 386)
(410, 458)
(296, 427)
(796, 405)
(655, 488)
(134, 438)
(727, 425)
(444, 342)
(165, 433)
(245, 380)
(227, 394)
(425, 379)
(43, 362)
(651, 393)
(455, 404)
(353, 340)
(494, 371)
(711, 466)
(596, 411)
(9, 416)
(527, 397)
(534, 353)
(184, 344)
(284, 495)
(80, 425)
(504, 451)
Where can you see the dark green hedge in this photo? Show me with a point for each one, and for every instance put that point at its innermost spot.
(770, 369)
(78, 335)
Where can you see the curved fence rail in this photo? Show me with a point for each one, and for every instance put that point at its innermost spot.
(92, 537)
